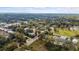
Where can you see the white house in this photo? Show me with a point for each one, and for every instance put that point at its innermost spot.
(75, 41)
(25, 29)
(52, 28)
(59, 40)
(74, 28)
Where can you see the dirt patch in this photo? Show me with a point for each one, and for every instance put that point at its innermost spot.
(38, 45)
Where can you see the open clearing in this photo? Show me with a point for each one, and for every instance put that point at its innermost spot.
(66, 32)
(38, 46)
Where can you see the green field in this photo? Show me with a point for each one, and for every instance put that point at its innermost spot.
(67, 32)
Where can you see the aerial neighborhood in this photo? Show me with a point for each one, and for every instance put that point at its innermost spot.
(50, 33)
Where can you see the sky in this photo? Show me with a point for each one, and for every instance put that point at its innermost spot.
(39, 10)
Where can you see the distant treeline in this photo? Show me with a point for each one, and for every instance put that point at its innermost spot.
(9, 17)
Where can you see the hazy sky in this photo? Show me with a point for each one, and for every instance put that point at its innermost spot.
(39, 10)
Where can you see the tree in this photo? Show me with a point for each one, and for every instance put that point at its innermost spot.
(20, 29)
(20, 38)
(3, 41)
(11, 46)
(52, 47)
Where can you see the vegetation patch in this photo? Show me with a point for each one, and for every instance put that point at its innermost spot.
(66, 32)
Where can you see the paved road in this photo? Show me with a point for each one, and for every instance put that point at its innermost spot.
(31, 40)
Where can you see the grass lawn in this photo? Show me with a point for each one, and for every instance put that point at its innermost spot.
(38, 46)
(66, 32)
